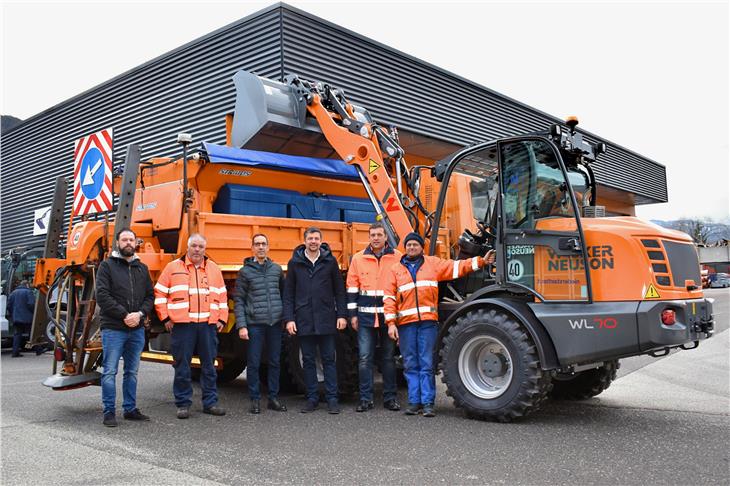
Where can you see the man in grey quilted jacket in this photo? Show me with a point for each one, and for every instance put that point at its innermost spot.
(258, 309)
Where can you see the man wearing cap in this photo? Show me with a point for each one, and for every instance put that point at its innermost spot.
(411, 311)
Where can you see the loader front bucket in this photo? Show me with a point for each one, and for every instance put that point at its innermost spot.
(271, 117)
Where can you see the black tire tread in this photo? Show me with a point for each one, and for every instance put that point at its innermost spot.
(586, 384)
(534, 390)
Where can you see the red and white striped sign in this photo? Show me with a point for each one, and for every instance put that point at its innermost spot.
(93, 173)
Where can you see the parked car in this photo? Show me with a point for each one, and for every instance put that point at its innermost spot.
(719, 280)
(705, 274)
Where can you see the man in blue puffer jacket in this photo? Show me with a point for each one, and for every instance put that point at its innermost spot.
(258, 309)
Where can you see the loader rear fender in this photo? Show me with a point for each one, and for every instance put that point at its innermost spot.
(521, 312)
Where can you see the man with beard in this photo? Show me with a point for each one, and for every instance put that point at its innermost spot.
(314, 310)
(125, 298)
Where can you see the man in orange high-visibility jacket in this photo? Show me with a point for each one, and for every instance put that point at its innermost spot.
(410, 299)
(365, 281)
(192, 303)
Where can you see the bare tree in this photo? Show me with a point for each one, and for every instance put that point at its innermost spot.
(697, 229)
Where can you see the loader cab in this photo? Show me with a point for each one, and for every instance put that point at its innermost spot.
(524, 207)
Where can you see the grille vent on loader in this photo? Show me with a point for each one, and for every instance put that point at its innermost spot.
(594, 211)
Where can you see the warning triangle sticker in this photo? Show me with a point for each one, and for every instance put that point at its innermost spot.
(651, 292)
(373, 166)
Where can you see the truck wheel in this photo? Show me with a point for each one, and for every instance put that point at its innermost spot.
(491, 367)
(346, 357)
(231, 370)
(584, 384)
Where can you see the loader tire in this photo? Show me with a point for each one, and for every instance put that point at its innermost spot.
(491, 367)
(346, 360)
(585, 384)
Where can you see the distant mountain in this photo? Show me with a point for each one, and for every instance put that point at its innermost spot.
(8, 123)
(702, 231)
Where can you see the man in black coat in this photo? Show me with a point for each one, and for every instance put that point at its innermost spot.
(315, 309)
(258, 319)
(125, 298)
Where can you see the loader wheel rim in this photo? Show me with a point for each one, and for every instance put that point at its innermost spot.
(485, 367)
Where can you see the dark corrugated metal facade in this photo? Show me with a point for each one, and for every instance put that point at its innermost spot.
(153, 102)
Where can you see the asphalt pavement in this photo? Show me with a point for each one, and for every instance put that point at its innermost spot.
(664, 421)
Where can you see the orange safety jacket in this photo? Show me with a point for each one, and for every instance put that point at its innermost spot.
(184, 293)
(409, 299)
(365, 282)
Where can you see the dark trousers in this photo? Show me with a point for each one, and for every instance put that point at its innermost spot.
(367, 338)
(19, 329)
(326, 344)
(258, 337)
(185, 338)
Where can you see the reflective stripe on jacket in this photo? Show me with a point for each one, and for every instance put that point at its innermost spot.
(409, 300)
(184, 293)
(365, 282)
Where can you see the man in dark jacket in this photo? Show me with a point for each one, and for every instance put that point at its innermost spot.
(258, 319)
(20, 305)
(314, 310)
(125, 297)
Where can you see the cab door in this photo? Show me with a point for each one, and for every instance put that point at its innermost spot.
(540, 240)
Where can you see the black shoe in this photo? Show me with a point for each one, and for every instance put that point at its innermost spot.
(413, 409)
(183, 412)
(309, 407)
(16, 355)
(275, 404)
(428, 410)
(364, 406)
(392, 405)
(110, 420)
(333, 407)
(40, 350)
(215, 410)
(135, 415)
(255, 407)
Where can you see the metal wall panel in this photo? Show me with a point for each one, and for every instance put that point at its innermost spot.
(401, 90)
(189, 89)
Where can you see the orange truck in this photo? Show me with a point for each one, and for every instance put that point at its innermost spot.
(571, 291)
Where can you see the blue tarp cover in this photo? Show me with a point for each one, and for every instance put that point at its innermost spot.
(221, 154)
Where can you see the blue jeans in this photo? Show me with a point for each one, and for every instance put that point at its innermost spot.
(127, 345)
(185, 339)
(19, 329)
(417, 342)
(326, 344)
(258, 336)
(367, 338)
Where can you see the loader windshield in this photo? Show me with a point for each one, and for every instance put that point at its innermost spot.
(533, 184)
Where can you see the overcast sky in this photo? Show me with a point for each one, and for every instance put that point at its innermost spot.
(651, 76)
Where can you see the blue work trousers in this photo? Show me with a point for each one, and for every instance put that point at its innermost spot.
(367, 339)
(127, 345)
(258, 337)
(326, 344)
(417, 343)
(186, 338)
